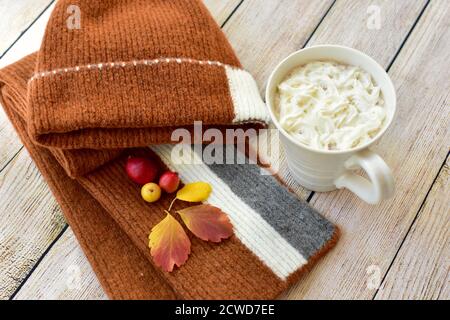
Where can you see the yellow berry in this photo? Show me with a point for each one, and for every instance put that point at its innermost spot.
(151, 192)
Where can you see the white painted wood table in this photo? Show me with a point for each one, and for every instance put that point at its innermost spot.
(396, 250)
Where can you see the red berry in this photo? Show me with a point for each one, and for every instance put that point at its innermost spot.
(169, 181)
(141, 170)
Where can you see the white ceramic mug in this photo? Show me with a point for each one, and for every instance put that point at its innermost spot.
(326, 170)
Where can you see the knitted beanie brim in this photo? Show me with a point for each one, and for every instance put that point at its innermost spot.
(140, 104)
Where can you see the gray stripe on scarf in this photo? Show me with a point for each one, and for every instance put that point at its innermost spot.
(302, 226)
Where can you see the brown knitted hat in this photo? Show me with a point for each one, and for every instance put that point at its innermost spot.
(131, 71)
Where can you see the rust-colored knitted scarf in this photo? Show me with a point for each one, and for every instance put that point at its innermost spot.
(73, 119)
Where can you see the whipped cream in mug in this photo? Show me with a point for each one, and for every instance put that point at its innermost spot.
(330, 106)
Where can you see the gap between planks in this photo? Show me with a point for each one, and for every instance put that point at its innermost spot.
(440, 175)
(26, 27)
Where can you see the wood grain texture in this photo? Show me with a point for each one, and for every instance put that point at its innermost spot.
(220, 9)
(10, 143)
(16, 17)
(264, 32)
(421, 269)
(28, 43)
(64, 274)
(414, 148)
(351, 23)
(29, 221)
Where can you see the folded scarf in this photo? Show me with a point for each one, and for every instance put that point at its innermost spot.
(277, 237)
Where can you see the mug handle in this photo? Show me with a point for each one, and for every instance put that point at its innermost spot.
(381, 184)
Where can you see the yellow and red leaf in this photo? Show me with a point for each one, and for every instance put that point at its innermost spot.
(207, 222)
(169, 244)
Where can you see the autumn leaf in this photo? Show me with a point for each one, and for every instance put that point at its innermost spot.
(207, 222)
(169, 244)
(194, 192)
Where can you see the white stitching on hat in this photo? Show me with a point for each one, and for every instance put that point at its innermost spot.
(99, 66)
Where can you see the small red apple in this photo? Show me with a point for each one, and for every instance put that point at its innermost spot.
(141, 170)
(169, 181)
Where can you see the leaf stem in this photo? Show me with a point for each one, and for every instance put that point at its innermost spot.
(171, 204)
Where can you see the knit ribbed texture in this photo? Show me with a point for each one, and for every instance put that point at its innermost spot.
(132, 73)
(123, 271)
(209, 264)
(76, 162)
(112, 223)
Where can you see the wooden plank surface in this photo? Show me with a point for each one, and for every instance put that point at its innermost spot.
(29, 221)
(30, 217)
(353, 24)
(421, 269)
(221, 10)
(64, 274)
(260, 45)
(31, 41)
(44, 225)
(264, 32)
(415, 147)
(27, 44)
(10, 141)
(16, 16)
